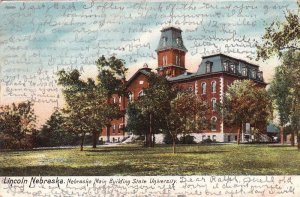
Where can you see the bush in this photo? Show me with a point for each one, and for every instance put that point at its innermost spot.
(187, 139)
(168, 139)
(207, 141)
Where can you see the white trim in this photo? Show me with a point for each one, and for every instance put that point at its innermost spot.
(202, 88)
(221, 101)
(212, 89)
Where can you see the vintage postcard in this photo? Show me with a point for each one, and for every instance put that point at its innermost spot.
(149, 98)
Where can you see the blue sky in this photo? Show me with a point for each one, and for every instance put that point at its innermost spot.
(39, 38)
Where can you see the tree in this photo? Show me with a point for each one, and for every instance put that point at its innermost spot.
(281, 36)
(53, 133)
(86, 108)
(137, 123)
(17, 121)
(187, 114)
(155, 105)
(279, 91)
(244, 102)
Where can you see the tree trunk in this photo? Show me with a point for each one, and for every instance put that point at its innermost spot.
(150, 130)
(298, 140)
(82, 141)
(281, 135)
(95, 139)
(293, 138)
(239, 135)
(174, 145)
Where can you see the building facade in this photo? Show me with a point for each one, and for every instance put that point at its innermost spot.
(212, 79)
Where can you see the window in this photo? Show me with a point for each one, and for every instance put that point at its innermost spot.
(208, 67)
(120, 99)
(203, 85)
(225, 66)
(118, 128)
(114, 100)
(244, 71)
(177, 60)
(165, 60)
(130, 95)
(165, 39)
(213, 104)
(114, 128)
(260, 75)
(213, 123)
(141, 82)
(253, 74)
(141, 93)
(178, 41)
(232, 68)
(214, 87)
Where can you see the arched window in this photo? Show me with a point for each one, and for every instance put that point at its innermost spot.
(214, 87)
(177, 60)
(203, 85)
(213, 123)
(213, 104)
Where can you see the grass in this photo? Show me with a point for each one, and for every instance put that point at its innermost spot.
(138, 161)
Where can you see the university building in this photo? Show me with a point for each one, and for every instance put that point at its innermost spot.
(215, 73)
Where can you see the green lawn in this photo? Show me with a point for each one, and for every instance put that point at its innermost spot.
(134, 160)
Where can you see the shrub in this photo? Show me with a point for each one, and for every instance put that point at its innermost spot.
(187, 139)
(168, 139)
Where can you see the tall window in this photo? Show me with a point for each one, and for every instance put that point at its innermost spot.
(165, 41)
(244, 71)
(165, 60)
(232, 68)
(177, 60)
(203, 85)
(214, 87)
(130, 95)
(225, 66)
(253, 74)
(208, 66)
(114, 128)
(213, 123)
(214, 104)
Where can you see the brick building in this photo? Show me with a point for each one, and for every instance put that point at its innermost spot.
(215, 73)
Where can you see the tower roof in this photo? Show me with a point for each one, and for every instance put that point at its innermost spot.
(171, 39)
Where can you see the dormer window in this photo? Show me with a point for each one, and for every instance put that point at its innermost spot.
(165, 41)
(244, 71)
(232, 68)
(141, 93)
(208, 67)
(253, 74)
(225, 66)
(178, 41)
(260, 75)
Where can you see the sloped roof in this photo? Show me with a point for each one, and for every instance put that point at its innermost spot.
(144, 71)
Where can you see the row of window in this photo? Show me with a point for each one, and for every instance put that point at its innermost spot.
(165, 60)
(117, 128)
(213, 87)
(237, 69)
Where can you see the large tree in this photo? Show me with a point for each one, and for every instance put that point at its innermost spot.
(244, 102)
(187, 114)
(17, 121)
(86, 109)
(154, 104)
(53, 133)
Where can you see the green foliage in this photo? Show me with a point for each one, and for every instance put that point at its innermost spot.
(244, 102)
(168, 139)
(53, 134)
(17, 122)
(137, 123)
(281, 36)
(187, 139)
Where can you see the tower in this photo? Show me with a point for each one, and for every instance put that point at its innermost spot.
(171, 53)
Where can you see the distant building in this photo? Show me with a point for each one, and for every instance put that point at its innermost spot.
(211, 81)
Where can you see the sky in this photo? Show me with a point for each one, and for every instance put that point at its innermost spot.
(39, 38)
